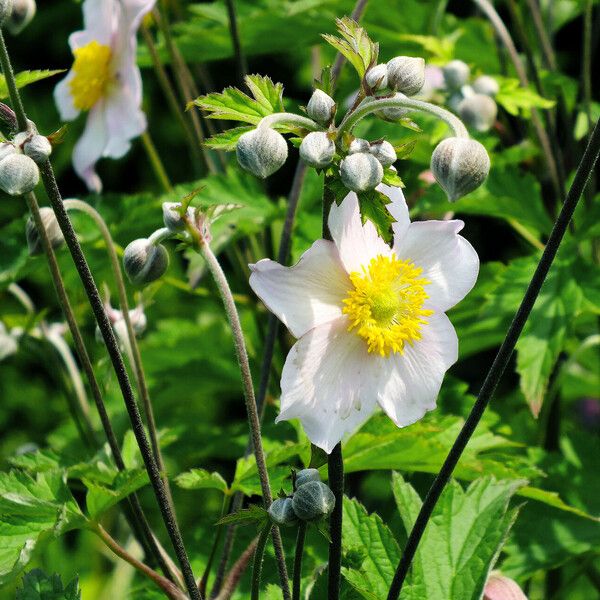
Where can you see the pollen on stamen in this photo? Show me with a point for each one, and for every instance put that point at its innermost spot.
(385, 307)
(92, 74)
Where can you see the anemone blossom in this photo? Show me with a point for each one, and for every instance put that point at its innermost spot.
(105, 81)
(370, 319)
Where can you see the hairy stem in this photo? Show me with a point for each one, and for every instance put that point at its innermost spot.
(582, 175)
(156, 163)
(257, 564)
(289, 119)
(234, 576)
(297, 574)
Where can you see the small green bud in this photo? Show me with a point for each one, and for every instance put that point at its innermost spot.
(456, 74)
(393, 114)
(361, 172)
(22, 14)
(406, 74)
(6, 7)
(321, 108)
(34, 242)
(306, 475)
(313, 500)
(459, 165)
(377, 77)
(282, 512)
(38, 148)
(7, 148)
(18, 174)
(384, 152)
(486, 85)
(317, 150)
(478, 111)
(262, 151)
(145, 262)
(172, 218)
(358, 145)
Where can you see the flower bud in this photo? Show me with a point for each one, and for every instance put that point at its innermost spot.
(377, 77)
(499, 587)
(282, 513)
(145, 262)
(317, 150)
(172, 218)
(321, 107)
(18, 174)
(358, 145)
(7, 148)
(486, 85)
(406, 74)
(393, 114)
(20, 138)
(361, 172)
(459, 165)
(22, 14)
(312, 501)
(34, 243)
(456, 74)
(384, 152)
(478, 111)
(5, 10)
(262, 151)
(306, 475)
(38, 148)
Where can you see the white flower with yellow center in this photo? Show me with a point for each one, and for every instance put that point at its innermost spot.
(105, 81)
(369, 319)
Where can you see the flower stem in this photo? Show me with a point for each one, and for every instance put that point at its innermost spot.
(289, 119)
(297, 575)
(11, 84)
(240, 348)
(240, 58)
(136, 358)
(582, 175)
(157, 164)
(233, 578)
(373, 104)
(258, 562)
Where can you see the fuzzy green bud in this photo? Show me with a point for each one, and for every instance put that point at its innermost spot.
(313, 500)
(384, 152)
(459, 165)
(262, 151)
(361, 172)
(145, 262)
(406, 74)
(306, 475)
(18, 174)
(478, 111)
(321, 108)
(172, 217)
(358, 145)
(282, 512)
(377, 77)
(456, 74)
(21, 15)
(34, 242)
(486, 85)
(317, 150)
(38, 148)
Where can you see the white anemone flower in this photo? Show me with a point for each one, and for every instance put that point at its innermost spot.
(105, 81)
(370, 319)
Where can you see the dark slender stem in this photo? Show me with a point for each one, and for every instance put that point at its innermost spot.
(500, 362)
(335, 470)
(13, 92)
(259, 554)
(540, 29)
(227, 500)
(297, 574)
(234, 576)
(240, 57)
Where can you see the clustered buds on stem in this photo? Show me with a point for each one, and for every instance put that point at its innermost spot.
(144, 261)
(321, 108)
(361, 172)
(478, 111)
(52, 228)
(406, 74)
(317, 150)
(262, 151)
(19, 173)
(377, 77)
(456, 74)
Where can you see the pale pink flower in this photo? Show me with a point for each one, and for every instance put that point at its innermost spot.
(499, 587)
(369, 319)
(105, 81)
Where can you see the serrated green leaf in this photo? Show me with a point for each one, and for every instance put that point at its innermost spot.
(101, 498)
(463, 537)
(253, 515)
(25, 78)
(518, 100)
(201, 479)
(39, 586)
(227, 140)
(391, 177)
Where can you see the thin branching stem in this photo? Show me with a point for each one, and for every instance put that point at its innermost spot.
(498, 367)
(257, 564)
(297, 574)
(155, 161)
(240, 57)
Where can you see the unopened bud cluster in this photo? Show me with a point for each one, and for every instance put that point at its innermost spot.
(311, 501)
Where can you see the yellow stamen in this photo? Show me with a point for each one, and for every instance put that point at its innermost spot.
(92, 74)
(386, 305)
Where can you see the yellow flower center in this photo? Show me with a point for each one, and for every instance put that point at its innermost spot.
(92, 74)
(386, 305)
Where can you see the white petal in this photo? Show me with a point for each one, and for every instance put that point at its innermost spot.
(306, 295)
(99, 19)
(329, 383)
(357, 243)
(448, 260)
(412, 380)
(64, 99)
(124, 121)
(90, 147)
(397, 208)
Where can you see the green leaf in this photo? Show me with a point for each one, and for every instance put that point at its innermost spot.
(253, 515)
(39, 586)
(440, 48)
(354, 44)
(463, 537)
(233, 104)
(201, 479)
(227, 140)
(25, 78)
(29, 507)
(391, 177)
(371, 551)
(517, 100)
